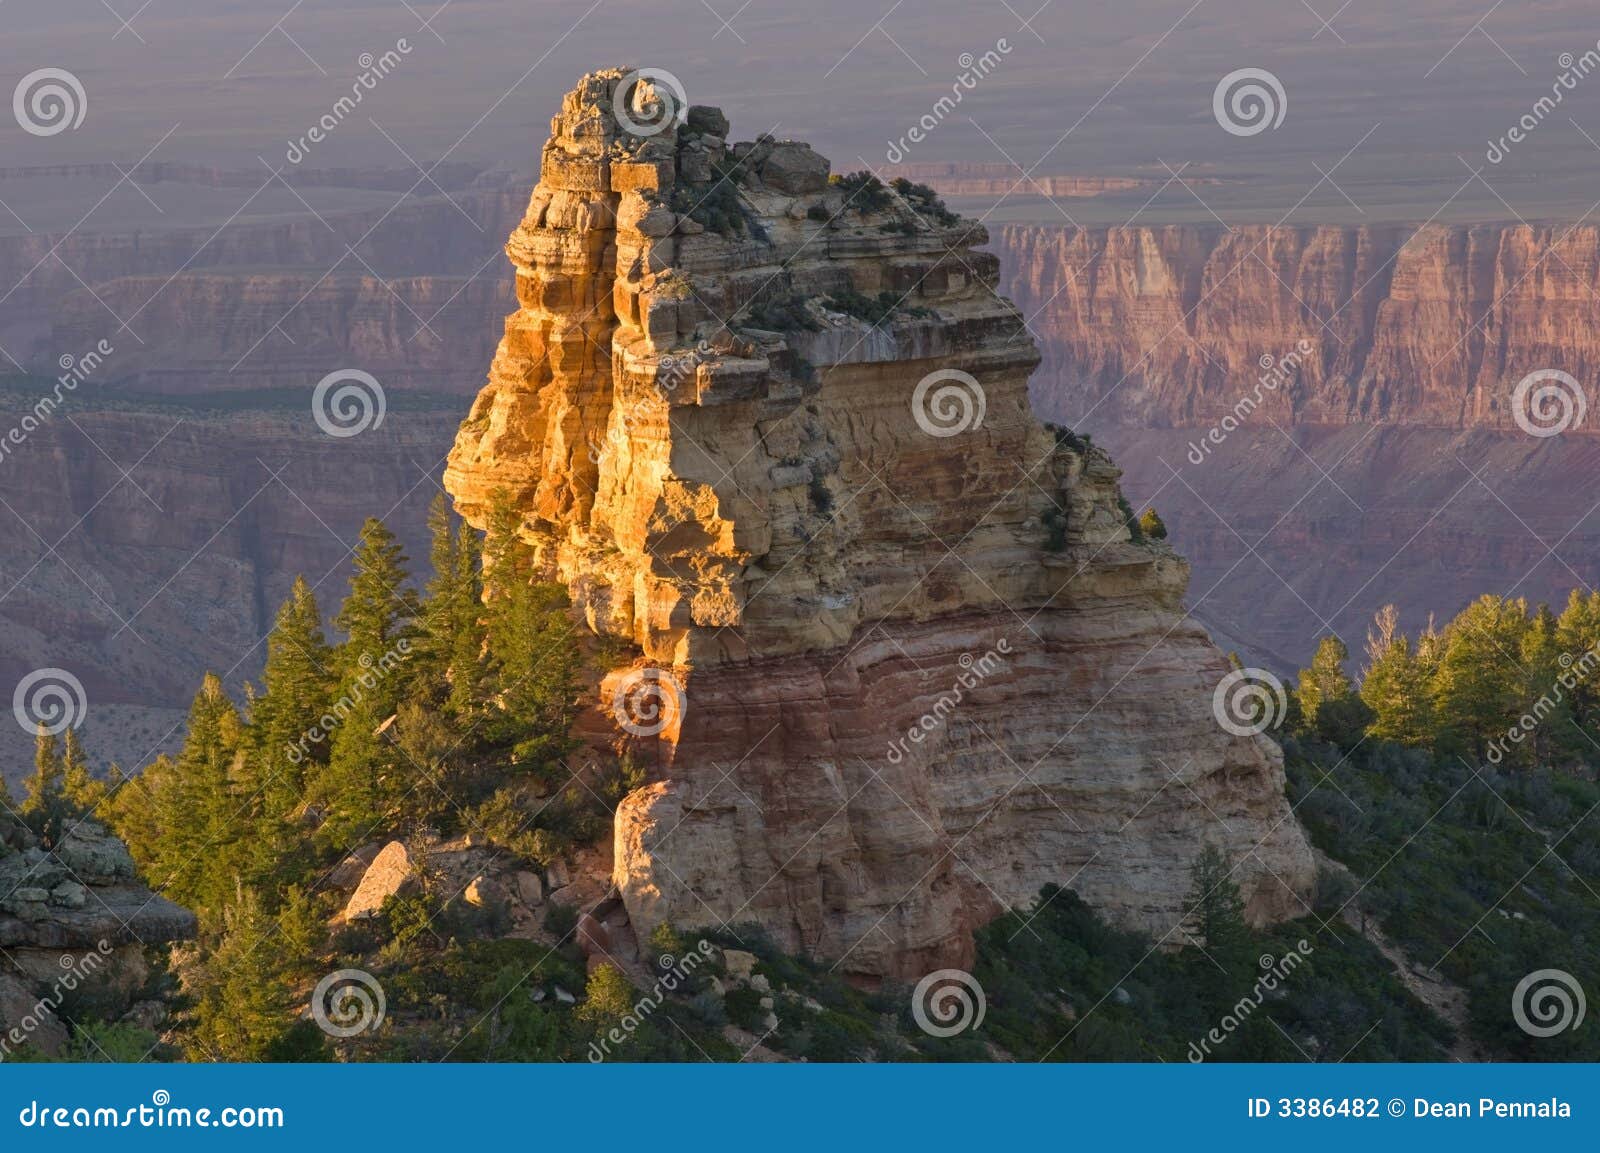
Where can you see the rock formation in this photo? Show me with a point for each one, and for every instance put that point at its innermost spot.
(71, 916)
(1351, 485)
(773, 431)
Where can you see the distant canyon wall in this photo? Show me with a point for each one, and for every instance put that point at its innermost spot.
(1149, 337)
(1386, 464)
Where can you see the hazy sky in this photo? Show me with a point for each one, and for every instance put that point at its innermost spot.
(1091, 88)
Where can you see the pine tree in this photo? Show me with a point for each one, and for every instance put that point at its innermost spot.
(1543, 698)
(1578, 636)
(452, 623)
(377, 614)
(533, 659)
(242, 1006)
(286, 745)
(1215, 921)
(363, 782)
(199, 819)
(1478, 686)
(297, 685)
(83, 790)
(1394, 685)
(44, 804)
(1325, 680)
(362, 787)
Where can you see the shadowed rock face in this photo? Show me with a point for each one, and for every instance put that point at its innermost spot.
(72, 916)
(920, 668)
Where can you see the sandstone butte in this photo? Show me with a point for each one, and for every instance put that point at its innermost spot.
(760, 516)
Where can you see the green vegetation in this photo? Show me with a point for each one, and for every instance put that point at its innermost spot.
(448, 709)
(875, 310)
(779, 308)
(1499, 685)
(1457, 782)
(924, 201)
(436, 713)
(1135, 529)
(863, 192)
(716, 204)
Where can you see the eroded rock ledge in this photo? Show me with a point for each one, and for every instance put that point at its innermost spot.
(706, 410)
(71, 916)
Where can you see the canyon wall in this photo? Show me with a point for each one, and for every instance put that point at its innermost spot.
(1382, 462)
(906, 664)
(150, 542)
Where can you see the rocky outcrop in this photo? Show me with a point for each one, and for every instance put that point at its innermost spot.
(79, 893)
(72, 917)
(910, 666)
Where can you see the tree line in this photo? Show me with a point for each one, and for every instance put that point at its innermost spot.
(1500, 682)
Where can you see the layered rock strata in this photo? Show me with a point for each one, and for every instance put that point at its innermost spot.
(912, 668)
(72, 917)
(1384, 464)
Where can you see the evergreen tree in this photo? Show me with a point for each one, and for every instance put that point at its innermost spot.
(44, 804)
(242, 1006)
(377, 614)
(362, 785)
(364, 781)
(533, 660)
(194, 844)
(83, 790)
(297, 684)
(1478, 687)
(1215, 923)
(1325, 679)
(1578, 636)
(1543, 698)
(452, 623)
(1394, 686)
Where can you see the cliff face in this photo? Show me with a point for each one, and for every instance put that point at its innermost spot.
(221, 331)
(198, 547)
(1435, 326)
(1387, 468)
(912, 668)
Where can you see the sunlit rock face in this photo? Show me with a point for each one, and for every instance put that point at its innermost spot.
(913, 667)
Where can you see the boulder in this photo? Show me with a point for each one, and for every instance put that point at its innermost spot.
(484, 892)
(94, 855)
(794, 168)
(23, 1019)
(347, 874)
(593, 937)
(530, 889)
(707, 121)
(70, 895)
(740, 964)
(387, 876)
